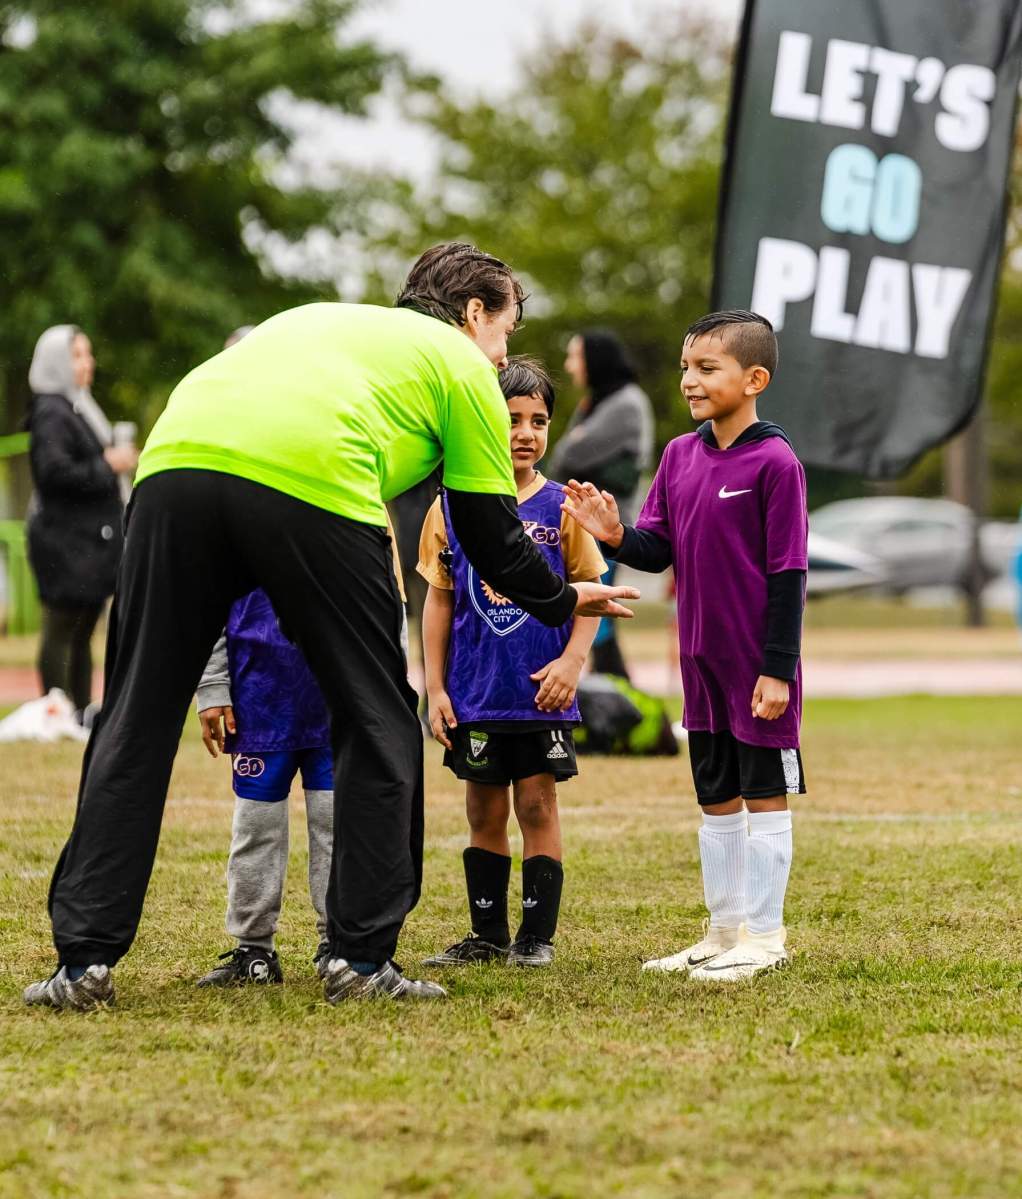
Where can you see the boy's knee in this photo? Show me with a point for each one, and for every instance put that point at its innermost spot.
(487, 813)
(536, 806)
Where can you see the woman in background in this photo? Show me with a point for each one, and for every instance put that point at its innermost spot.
(608, 442)
(74, 520)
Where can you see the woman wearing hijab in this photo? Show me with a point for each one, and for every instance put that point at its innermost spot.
(74, 523)
(608, 442)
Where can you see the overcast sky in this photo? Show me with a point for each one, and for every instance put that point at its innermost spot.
(475, 47)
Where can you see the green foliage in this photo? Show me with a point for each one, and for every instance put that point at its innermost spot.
(597, 180)
(140, 146)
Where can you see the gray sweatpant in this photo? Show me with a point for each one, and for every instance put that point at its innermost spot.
(257, 865)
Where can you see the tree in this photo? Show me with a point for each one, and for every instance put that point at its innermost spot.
(142, 155)
(597, 180)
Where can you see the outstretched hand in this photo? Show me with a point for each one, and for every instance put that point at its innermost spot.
(596, 599)
(596, 511)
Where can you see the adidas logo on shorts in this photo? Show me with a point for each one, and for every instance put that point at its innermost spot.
(557, 750)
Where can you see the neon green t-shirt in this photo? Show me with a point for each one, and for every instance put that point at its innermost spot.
(344, 406)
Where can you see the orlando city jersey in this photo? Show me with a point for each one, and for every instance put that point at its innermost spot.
(495, 645)
(277, 702)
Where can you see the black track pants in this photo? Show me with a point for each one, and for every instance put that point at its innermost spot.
(196, 541)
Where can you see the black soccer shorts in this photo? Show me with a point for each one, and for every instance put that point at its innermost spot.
(502, 758)
(725, 768)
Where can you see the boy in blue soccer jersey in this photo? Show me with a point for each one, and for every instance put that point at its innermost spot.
(259, 702)
(501, 690)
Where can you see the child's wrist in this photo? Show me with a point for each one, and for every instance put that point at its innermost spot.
(615, 536)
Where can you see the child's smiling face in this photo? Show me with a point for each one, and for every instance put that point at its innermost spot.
(714, 383)
(530, 425)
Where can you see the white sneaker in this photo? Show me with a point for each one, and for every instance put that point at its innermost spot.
(715, 942)
(754, 953)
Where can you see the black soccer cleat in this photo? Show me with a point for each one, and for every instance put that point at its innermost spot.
(531, 951)
(246, 964)
(469, 952)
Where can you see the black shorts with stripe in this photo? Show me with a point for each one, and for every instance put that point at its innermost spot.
(724, 768)
(500, 758)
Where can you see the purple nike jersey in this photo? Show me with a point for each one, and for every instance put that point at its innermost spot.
(277, 702)
(495, 645)
(732, 517)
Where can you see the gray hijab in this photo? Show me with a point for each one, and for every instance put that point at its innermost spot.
(52, 373)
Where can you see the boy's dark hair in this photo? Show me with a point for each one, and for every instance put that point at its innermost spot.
(447, 276)
(748, 337)
(526, 377)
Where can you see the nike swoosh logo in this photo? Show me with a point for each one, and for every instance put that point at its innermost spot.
(724, 494)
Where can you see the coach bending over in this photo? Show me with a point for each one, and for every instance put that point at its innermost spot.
(269, 468)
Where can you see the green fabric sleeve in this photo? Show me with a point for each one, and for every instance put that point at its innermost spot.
(476, 436)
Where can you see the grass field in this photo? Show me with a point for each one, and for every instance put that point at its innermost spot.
(883, 1063)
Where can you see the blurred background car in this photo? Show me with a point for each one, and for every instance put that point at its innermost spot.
(919, 542)
(835, 567)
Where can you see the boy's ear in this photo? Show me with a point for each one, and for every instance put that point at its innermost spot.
(758, 380)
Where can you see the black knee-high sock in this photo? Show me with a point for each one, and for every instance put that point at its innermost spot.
(487, 876)
(542, 880)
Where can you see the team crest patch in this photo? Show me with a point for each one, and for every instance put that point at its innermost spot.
(478, 743)
(499, 613)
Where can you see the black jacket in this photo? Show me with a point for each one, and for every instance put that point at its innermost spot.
(75, 521)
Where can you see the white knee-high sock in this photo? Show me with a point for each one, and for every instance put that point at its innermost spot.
(766, 878)
(722, 851)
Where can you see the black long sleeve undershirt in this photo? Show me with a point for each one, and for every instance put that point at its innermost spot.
(786, 599)
(644, 550)
(491, 534)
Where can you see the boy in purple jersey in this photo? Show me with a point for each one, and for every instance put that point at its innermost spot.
(727, 509)
(501, 689)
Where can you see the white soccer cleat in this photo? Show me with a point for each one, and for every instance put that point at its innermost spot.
(754, 953)
(715, 942)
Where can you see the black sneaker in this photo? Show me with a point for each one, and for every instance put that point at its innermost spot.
(341, 982)
(531, 951)
(465, 953)
(246, 964)
(321, 958)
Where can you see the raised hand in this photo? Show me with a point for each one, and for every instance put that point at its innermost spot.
(596, 511)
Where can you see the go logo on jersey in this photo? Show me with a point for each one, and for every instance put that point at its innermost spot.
(247, 767)
(541, 534)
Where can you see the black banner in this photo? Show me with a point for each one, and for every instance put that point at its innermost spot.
(863, 210)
